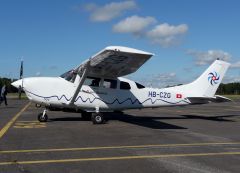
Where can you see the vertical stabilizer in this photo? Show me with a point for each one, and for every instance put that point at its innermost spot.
(206, 85)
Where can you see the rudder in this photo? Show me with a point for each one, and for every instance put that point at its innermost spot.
(207, 84)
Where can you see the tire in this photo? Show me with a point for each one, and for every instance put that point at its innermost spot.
(42, 118)
(97, 118)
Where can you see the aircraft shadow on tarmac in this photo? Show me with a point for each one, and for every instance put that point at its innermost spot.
(211, 118)
(153, 122)
(144, 121)
(156, 123)
(148, 122)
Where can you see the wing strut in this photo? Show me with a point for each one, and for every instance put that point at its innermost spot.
(84, 75)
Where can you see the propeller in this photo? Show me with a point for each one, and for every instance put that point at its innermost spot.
(21, 78)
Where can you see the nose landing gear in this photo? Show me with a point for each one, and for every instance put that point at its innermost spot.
(42, 117)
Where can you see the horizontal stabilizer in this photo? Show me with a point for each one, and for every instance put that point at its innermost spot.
(204, 100)
(222, 99)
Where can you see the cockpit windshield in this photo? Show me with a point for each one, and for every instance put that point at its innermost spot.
(139, 86)
(70, 75)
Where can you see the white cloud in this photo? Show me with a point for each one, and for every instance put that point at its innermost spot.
(164, 34)
(160, 80)
(235, 65)
(133, 24)
(167, 35)
(203, 58)
(109, 11)
(90, 7)
(166, 30)
(231, 79)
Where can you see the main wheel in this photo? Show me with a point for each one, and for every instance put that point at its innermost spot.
(42, 117)
(97, 118)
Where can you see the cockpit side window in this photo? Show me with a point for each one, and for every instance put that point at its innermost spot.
(139, 86)
(125, 85)
(69, 76)
(110, 83)
(92, 81)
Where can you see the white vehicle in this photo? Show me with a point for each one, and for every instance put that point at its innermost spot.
(96, 86)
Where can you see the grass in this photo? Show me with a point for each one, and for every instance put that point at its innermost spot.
(232, 97)
(15, 95)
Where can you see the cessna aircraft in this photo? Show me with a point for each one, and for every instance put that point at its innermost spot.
(96, 86)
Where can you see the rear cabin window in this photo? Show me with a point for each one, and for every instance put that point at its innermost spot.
(139, 86)
(110, 83)
(92, 81)
(125, 86)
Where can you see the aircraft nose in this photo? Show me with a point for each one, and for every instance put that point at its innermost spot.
(17, 83)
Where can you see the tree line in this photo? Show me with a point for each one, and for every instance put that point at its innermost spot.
(7, 82)
(230, 88)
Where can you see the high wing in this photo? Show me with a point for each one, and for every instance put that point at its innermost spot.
(112, 62)
(115, 61)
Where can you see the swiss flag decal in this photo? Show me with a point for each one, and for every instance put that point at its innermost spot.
(178, 96)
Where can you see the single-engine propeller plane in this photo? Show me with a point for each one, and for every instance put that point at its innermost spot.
(96, 86)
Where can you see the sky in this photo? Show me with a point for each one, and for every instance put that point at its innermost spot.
(186, 36)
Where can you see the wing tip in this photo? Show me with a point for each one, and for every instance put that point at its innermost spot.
(128, 49)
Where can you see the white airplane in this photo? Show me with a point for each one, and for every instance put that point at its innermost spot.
(96, 86)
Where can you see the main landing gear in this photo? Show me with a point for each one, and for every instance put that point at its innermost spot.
(42, 117)
(97, 118)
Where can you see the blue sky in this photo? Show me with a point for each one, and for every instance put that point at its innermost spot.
(185, 36)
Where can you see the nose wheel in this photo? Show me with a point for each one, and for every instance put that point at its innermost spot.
(42, 117)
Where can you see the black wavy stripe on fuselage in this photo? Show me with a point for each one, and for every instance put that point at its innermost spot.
(109, 103)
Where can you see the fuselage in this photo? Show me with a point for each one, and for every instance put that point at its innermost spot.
(105, 95)
(102, 93)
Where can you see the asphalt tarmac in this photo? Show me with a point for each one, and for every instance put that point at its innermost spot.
(199, 138)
